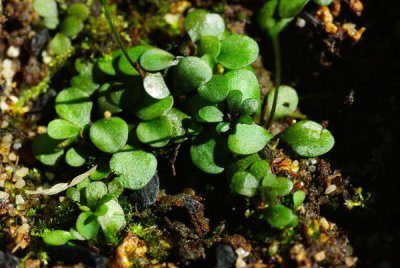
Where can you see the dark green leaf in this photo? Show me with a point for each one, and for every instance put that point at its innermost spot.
(110, 96)
(45, 150)
(214, 90)
(248, 106)
(208, 45)
(234, 100)
(135, 53)
(156, 132)
(244, 183)
(248, 139)
(113, 221)
(242, 163)
(109, 135)
(291, 8)
(308, 138)
(279, 216)
(60, 129)
(94, 191)
(237, 51)
(259, 169)
(108, 63)
(222, 127)
(150, 108)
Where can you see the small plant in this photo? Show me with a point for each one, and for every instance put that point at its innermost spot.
(123, 109)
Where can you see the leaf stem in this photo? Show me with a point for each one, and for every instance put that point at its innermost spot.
(277, 81)
(117, 37)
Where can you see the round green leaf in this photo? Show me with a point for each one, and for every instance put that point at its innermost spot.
(135, 168)
(115, 188)
(71, 26)
(74, 105)
(291, 8)
(287, 101)
(234, 100)
(308, 138)
(51, 22)
(248, 139)
(248, 106)
(60, 129)
(215, 90)
(323, 2)
(190, 73)
(208, 45)
(298, 198)
(211, 114)
(46, 8)
(237, 51)
(244, 183)
(110, 97)
(109, 135)
(45, 150)
(57, 237)
(73, 194)
(156, 59)
(245, 119)
(156, 132)
(259, 169)
(246, 82)
(209, 152)
(177, 118)
(273, 187)
(135, 53)
(60, 44)
(194, 104)
(222, 127)
(242, 163)
(101, 172)
(78, 10)
(94, 192)
(87, 225)
(150, 108)
(279, 216)
(85, 83)
(199, 23)
(155, 86)
(76, 157)
(113, 221)
(108, 63)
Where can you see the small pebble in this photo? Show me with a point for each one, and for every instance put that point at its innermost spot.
(21, 172)
(13, 212)
(300, 22)
(312, 168)
(12, 157)
(295, 163)
(4, 124)
(324, 223)
(19, 199)
(20, 184)
(313, 161)
(330, 189)
(4, 195)
(17, 146)
(320, 256)
(351, 261)
(2, 183)
(13, 52)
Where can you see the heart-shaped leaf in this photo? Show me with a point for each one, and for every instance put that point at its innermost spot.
(242, 163)
(208, 45)
(199, 23)
(248, 139)
(194, 104)
(115, 188)
(244, 183)
(234, 100)
(113, 221)
(298, 198)
(214, 90)
(94, 191)
(101, 172)
(150, 108)
(248, 107)
(287, 101)
(78, 10)
(209, 152)
(108, 63)
(74, 105)
(110, 96)
(60, 129)
(190, 73)
(237, 51)
(76, 157)
(60, 44)
(57, 237)
(73, 194)
(308, 138)
(210, 114)
(155, 86)
(156, 132)
(156, 59)
(46, 151)
(222, 127)
(279, 216)
(87, 225)
(259, 169)
(71, 26)
(246, 82)
(109, 135)
(135, 168)
(273, 187)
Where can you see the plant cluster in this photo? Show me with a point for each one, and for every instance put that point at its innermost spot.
(70, 27)
(121, 110)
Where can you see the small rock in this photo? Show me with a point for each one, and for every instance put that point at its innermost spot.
(312, 168)
(300, 23)
(12, 157)
(19, 199)
(20, 183)
(4, 196)
(21, 172)
(320, 256)
(222, 256)
(13, 52)
(147, 195)
(330, 189)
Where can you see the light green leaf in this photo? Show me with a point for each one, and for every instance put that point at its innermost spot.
(45, 150)
(248, 106)
(76, 157)
(248, 139)
(135, 168)
(199, 23)
(308, 138)
(71, 26)
(108, 63)
(298, 198)
(94, 192)
(51, 22)
(156, 132)
(291, 8)
(259, 169)
(273, 187)
(78, 10)
(215, 90)
(237, 51)
(110, 97)
(211, 114)
(74, 105)
(244, 183)
(109, 135)
(287, 101)
(242, 163)
(156, 59)
(209, 152)
(46, 8)
(57, 237)
(87, 225)
(208, 45)
(60, 129)
(115, 188)
(177, 118)
(60, 44)
(134, 52)
(74, 194)
(323, 2)
(155, 86)
(279, 216)
(150, 108)
(113, 221)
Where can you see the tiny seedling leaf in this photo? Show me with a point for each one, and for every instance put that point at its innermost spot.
(110, 134)
(156, 59)
(156, 132)
(237, 51)
(248, 139)
(215, 90)
(279, 216)
(57, 237)
(244, 183)
(60, 129)
(87, 225)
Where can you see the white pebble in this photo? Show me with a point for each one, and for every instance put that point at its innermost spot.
(330, 189)
(4, 195)
(312, 168)
(13, 52)
(313, 161)
(19, 199)
(4, 106)
(12, 157)
(300, 22)
(17, 146)
(21, 172)
(20, 184)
